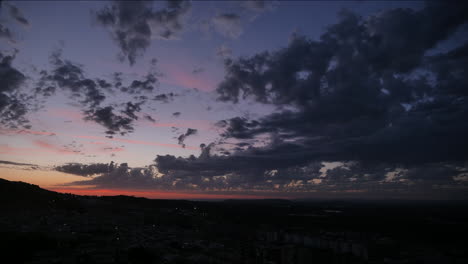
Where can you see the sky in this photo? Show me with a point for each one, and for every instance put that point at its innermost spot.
(236, 99)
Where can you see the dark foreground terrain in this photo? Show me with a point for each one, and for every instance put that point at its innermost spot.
(39, 226)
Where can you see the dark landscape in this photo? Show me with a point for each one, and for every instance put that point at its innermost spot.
(40, 226)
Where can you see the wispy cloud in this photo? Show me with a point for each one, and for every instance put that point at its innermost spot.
(137, 142)
(53, 148)
(100, 140)
(16, 163)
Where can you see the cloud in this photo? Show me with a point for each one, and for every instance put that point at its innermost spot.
(133, 24)
(342, 96)
(231, 24)
(48, 147)
(198, 70)
(224, 52)
(142, 85)
(255, 172)
(188, 176)
(13, 103)
(165, 98)
(239, 127)
(16, 163)
(228, 25)
(86, 170)
(133, 141)
(113, 122)
(341, 99)
(14, 12)
(182, 137)
(17, 15)
(257, 5)
(91, 93)
(131, 109)
(71, 77)
(6, 33)
(149, 118)
(116, 176)
(11, 78)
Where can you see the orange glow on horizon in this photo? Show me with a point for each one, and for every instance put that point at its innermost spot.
(158, 194)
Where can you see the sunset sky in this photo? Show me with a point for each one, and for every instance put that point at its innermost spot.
(242, 99)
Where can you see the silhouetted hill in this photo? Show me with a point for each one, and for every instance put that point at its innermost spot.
(14, 193)
(20, 188)
(25, 196)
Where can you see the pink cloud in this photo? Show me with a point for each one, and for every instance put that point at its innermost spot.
(165, 125)
(53, 148)
(66, 114)
(104, 147)
(176, 76)
(25, 132)
(5, 149)
(97, 143)
(41, 148)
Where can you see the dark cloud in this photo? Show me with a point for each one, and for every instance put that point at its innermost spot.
(14, 12)
(360, 95)
(6, 33)
(198, 70)
(176, 114)
(165, 98)
(138, 86)
(131, 109)
(17, 15)
(245, 162)
(351, 90)
(149, 118)
(238, 127)
(182, 137)
(271, 168)
(210, 172)
(114, 123)
(16, 163)
(71, 77)
(146, 85)
(91, 93)
(432, 173)
(206, 172)
(10, 77)
(104, 84)
(450, 73)
(13, 103)
(121, 176)
(132, 24)
(86, 170)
